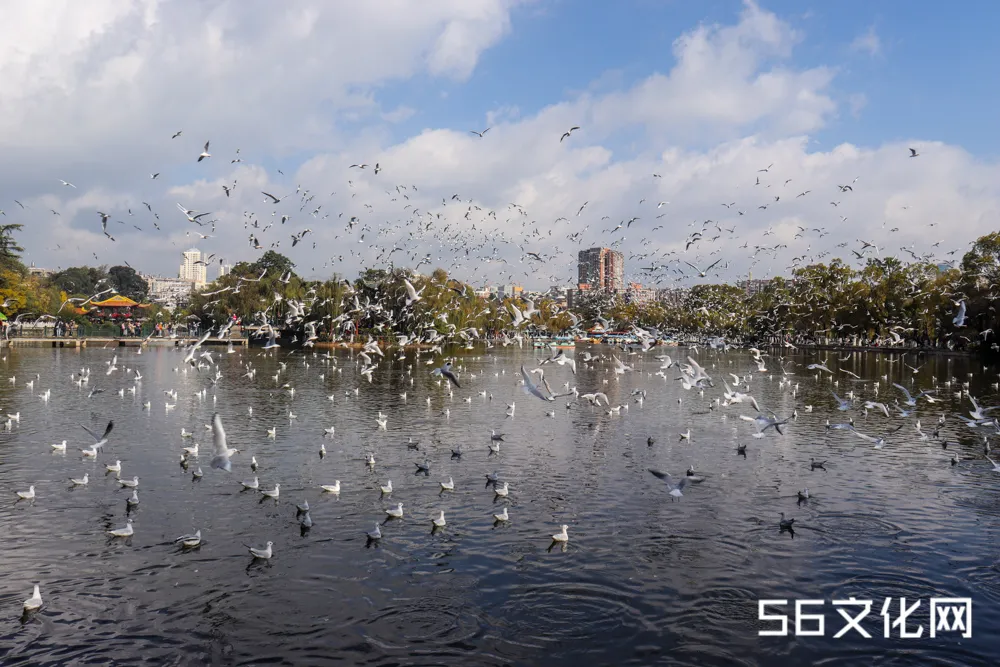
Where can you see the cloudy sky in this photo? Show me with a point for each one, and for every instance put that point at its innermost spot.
(677, 102)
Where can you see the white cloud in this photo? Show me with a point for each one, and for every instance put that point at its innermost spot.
(398, 115)
(127, 68)
(867, 42)
(856, 102)
(303, 87)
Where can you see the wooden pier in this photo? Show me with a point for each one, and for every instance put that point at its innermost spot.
(117, 342)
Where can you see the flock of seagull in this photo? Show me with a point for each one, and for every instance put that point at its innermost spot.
(200, 360)
(458, 239)
(382, 217)
(692, 376)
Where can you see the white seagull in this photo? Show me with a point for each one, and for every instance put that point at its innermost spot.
(127, 531)
(220, 450)
(35, 601)
(264, 553)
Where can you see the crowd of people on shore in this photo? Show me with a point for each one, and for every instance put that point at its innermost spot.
(70, 329)
(59, 329)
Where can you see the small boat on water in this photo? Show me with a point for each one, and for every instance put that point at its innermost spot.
(554, 343)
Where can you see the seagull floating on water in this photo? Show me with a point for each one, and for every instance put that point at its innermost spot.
(190, 541)
(127, 531)
(263, 554)
(35, 601)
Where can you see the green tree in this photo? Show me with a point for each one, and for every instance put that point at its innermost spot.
(128, 283)
(272, 261)
(10, 251)
(82, 280)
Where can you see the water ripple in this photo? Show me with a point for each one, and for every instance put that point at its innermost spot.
(644, 579)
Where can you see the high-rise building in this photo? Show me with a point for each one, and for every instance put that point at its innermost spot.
(192, 268)
(602, 268)
(224, 269)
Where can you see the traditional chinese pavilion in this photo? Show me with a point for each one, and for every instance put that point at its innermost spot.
(118, 307)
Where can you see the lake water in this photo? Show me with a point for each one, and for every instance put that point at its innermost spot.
(643, 580)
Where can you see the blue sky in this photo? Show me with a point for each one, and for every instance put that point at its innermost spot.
(934, 75)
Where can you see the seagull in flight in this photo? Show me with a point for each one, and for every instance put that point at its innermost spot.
(872, 405)
(66, 183)
(447, 373)
(676, 489)
(568, 132)
(960, 317)
(480, 134)
(221, 450)
(100, 440)
(879, 441)
(910, 400)
(703, 274)
(204, 153)
(843, 404)
(187, 213)
(412, 295)
(914, 153)
(532, 388)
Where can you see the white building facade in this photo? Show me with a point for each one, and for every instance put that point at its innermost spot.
(169, 292)
(192, 268)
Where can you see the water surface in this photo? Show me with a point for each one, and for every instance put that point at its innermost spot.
(643, 580)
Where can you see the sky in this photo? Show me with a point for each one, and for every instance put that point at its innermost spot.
(680, 106)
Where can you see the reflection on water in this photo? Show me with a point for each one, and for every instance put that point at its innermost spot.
(643, 580)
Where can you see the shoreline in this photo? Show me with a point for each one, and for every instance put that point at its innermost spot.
(944, 352)
(357, 345)
(117, 342)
